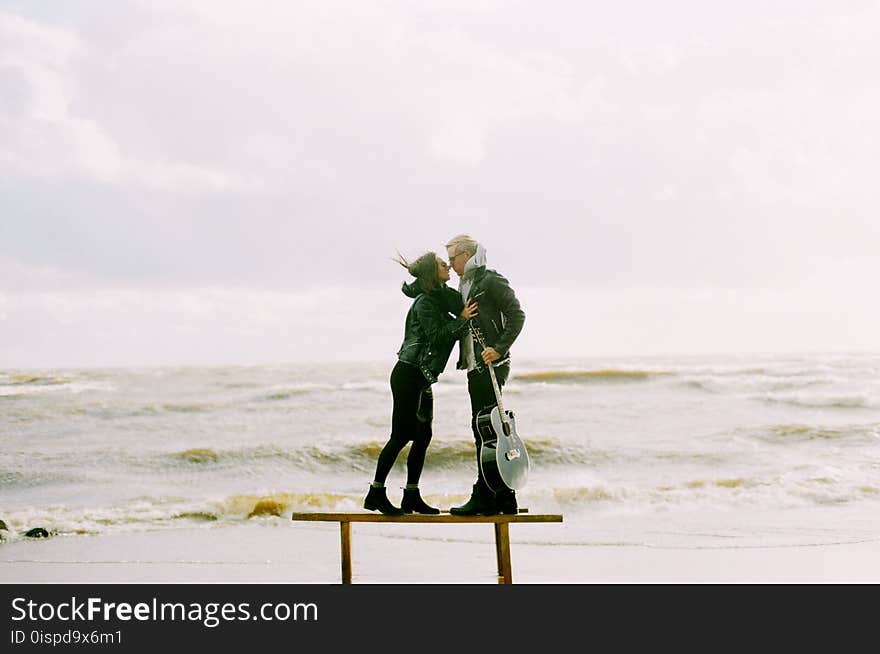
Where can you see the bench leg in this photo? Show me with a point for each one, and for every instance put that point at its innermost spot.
(345, 533)
(498, 551)
(502, 552)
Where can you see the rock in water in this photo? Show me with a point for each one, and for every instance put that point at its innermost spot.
(37, 532)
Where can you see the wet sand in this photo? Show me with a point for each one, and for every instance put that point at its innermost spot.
(304, 553)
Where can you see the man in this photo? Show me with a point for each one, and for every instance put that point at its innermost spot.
(500, 319)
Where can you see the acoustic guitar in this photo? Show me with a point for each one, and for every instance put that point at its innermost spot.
(504, 459)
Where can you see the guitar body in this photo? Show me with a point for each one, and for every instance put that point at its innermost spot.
(504, 460)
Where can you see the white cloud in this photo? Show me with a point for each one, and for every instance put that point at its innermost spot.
(205, 325)
(825, 313)
(49, 140)
(725, 149)
(138, 326)
(16, 275)
(31, 44)
(445, 85)
(469, 88)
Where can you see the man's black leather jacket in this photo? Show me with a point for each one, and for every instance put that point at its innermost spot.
(430, 331)
(499, 315)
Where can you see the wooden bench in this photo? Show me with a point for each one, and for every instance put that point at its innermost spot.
(501, 523)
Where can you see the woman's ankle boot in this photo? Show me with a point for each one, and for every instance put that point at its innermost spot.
(412, 502)
(377, 500)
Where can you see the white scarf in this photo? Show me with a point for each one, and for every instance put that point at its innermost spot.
(464, 287)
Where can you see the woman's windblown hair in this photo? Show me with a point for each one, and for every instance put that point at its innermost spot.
(424, 269)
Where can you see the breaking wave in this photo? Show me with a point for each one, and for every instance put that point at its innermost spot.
(157, 513)
(797, 432)
(822, 402)
(345, 457)
(25, 379)
(589, 376)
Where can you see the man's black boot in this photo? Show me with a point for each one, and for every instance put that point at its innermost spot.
(506, 502)
(481, 502)
(412, 502)
(377, 500)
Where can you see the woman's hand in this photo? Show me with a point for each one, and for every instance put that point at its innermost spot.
(470, 310)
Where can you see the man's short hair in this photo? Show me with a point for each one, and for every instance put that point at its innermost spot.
(462, 243)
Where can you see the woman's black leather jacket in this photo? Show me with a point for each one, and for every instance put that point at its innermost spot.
(431, 330)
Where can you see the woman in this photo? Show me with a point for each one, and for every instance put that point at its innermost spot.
(429, 335)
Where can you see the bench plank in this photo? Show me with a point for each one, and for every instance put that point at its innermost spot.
(416, 517)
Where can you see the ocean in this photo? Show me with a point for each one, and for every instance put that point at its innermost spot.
(679, 452)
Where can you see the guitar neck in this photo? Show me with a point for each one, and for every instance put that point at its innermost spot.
(497, 391)
(478, 338)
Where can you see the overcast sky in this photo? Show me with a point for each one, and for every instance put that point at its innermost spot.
(213, 181)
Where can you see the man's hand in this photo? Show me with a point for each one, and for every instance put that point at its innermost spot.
(490, 355)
